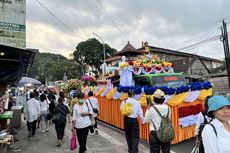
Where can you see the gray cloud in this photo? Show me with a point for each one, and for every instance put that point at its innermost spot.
(162, 23)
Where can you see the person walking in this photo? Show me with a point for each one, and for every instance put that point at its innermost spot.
(81, 121)
(201, 121)
(44, 111)
(32, 112)
(216, 134)
(154, 120)
(93, 102)
(60, 114)
(131, 126)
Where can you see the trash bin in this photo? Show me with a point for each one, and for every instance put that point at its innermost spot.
(15, 121)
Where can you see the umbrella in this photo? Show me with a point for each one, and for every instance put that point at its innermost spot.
(26, 80)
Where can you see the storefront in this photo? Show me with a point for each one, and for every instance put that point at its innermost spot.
(14, 63)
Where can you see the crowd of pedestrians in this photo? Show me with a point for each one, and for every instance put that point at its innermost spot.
(212, 129)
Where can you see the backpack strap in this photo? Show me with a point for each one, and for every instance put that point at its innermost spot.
(158, 112)
(213, 128)
(205, 120)
(90, 103)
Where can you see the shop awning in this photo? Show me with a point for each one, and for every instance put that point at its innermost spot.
(15, 63)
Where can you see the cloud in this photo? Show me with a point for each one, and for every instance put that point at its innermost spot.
(167, 24)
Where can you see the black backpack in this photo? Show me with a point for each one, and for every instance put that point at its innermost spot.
(201, 147)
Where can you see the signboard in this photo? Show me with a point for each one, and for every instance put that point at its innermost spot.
(12, 23)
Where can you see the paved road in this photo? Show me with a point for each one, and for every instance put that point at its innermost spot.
(109, 140)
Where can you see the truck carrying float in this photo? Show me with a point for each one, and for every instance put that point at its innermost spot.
(144, 75)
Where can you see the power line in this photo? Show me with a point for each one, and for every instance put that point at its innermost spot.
(59, 20)
(201, 43)
(193, 34)
(114, 23)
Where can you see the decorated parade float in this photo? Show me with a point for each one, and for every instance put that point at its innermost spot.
(144, 75)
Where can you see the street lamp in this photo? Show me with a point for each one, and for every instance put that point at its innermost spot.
(104, 64)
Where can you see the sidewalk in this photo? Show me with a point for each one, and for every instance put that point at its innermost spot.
(107, 141)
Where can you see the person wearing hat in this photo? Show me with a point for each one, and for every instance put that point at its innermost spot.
(152, 116)
(131, 127)
(216, 134)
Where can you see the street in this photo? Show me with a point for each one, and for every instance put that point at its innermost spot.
(109, 139)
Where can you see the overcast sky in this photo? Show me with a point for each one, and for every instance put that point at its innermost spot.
(169, 24)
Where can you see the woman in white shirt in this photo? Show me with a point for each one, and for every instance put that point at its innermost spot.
(44, 111)
(81, 121)
(201, 121)
(93, 102)
(216, 137)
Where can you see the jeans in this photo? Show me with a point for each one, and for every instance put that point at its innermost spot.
(91, 128)
(44, 120)
(156, 144)
(132, 134)
(82, 138)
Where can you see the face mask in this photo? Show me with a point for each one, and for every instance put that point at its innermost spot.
(81, 101)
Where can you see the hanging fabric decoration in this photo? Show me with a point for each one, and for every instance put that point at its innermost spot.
(116, 95)
(177, 99)
(106, 91)
(111, 93)
(191, 96)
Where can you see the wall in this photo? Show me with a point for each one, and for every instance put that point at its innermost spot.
(12, 23)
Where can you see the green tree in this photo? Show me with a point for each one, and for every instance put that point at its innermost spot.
(90, 53)
(53, 67)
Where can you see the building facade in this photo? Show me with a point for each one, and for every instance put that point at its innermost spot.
(13, 23)
(193, 66)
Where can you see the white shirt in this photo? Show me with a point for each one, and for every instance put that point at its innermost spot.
(136, 109)
(94, 103)
(81, 122)
(200, 120)
(152, 116)
(213, 143)
(32, 110)
(44, 105)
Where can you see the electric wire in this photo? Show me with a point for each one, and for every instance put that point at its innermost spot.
(110, 17)
(201, 43)
(193, 34)
(70, 29)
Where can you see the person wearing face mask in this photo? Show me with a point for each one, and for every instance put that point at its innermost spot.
(81, 121)
(216, 134)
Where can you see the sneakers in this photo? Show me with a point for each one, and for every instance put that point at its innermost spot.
(43, 131)
(59, 143)
(96, 131)
(47, 130)
(91, 133)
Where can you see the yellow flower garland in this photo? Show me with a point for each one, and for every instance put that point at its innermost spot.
(92, 88)
(111, 92)
(204, 93)
(84, 89)
(123, 96)
(100, 91)
(177, 99)
(142, 100)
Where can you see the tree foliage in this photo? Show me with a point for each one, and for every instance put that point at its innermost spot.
(90, 53)
(52, 67)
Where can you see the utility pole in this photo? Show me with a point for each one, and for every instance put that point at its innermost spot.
(224, 39)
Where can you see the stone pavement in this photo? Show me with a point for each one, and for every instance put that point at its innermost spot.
(108, 140)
